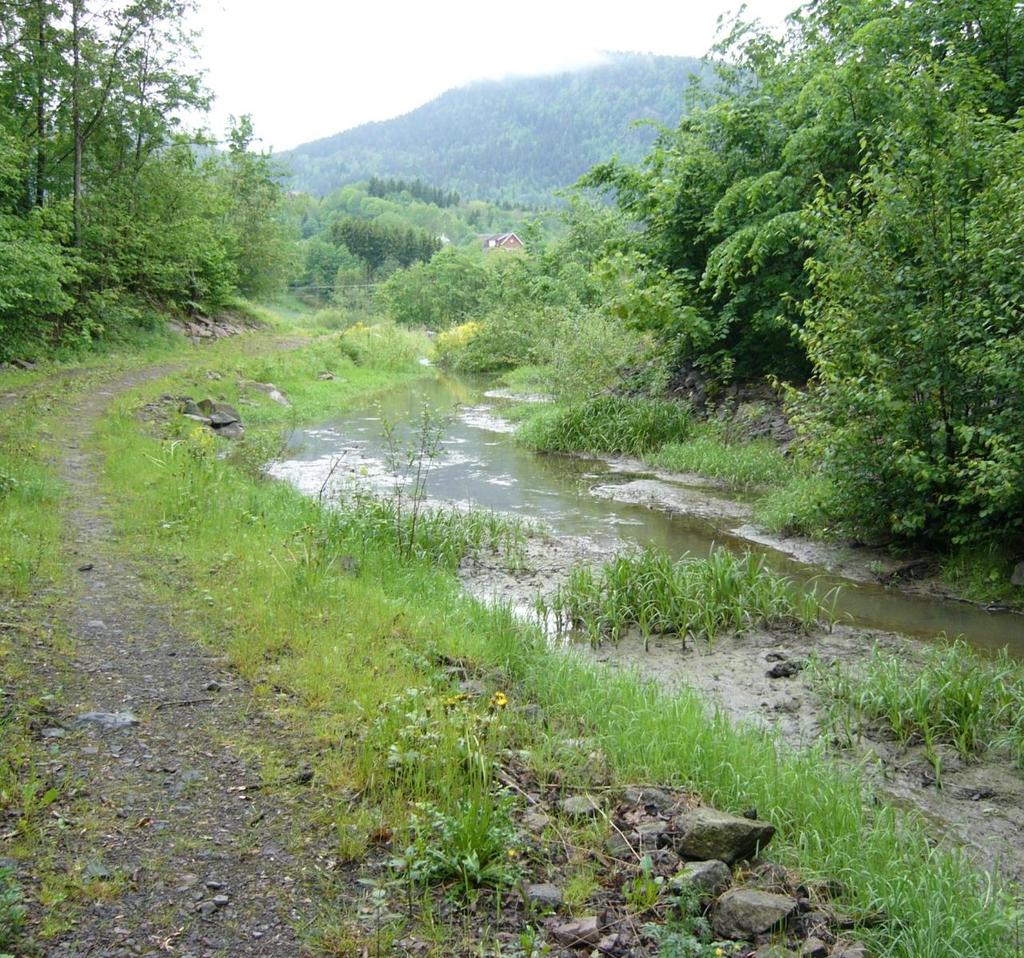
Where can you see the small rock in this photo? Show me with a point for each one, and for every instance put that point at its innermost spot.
(52, 733)
(548, 896)
(213, 686)
(536, 820)
(220, 900)
(704, 834)
(214, 885)
(108, 720)
(774, 951)
(784, 670)
(745, 912)
(86, 567)
(191, 409)
(814, 948)
(853, 950)
(579, 806)
(224, 411)
(621, 847)
(325, 376)
(97, 870)
(709, 878)
(206, 908)
(609, 945)
(582, 931)
(655, 798)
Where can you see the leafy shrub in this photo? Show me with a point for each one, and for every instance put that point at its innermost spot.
(615, 424)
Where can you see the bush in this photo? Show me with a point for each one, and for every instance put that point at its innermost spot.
(382, 346)
(756, 463)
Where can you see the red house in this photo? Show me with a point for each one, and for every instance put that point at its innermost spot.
(505, 241)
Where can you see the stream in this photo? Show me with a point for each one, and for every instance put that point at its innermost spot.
(482, 465)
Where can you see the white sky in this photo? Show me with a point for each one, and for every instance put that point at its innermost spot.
(309, 68)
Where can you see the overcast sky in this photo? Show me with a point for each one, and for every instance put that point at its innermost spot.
(309, 68)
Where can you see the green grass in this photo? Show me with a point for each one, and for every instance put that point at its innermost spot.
(954, 697)
(332, 651)
(612, 424)
(758, 462)
(652, 592)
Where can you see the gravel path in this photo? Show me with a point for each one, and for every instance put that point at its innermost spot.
(192, 839)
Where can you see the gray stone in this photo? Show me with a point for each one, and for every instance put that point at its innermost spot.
(1017, 578)
(709, 879)
(548, 896)
(853, 950)
(271, 391)
(704, 834)
(619, 846)
(52, 733)
(582, 931)
(325, 376)
(774, 951)
(655, 798)
(225, 411)
(536, 820)
(202, 420)
(108, 720)
(579, 806)
(213, 686)
(191, 409)
(233, 430)
(745, 912)
(814, 948)
(220, 900)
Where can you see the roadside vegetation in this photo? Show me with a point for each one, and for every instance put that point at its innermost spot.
(374, 654)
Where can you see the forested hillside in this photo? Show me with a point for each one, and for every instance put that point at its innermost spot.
(515, 139)
(109, 212)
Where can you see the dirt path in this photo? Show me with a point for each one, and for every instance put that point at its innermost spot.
(191, 842)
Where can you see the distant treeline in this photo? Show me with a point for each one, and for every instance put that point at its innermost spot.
(417, 189)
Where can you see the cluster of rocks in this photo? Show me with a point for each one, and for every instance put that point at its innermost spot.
(25, 364)
(708, 857)
(204, 327)
(221, 417)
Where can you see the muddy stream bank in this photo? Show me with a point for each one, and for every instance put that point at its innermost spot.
(593, 507)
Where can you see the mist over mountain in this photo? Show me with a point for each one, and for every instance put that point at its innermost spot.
(516, 139)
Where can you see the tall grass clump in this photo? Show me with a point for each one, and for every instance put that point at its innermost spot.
(759, 462)
(615, 424)
(383, 345)
(441, 534)
(954, 697)
(687, 597)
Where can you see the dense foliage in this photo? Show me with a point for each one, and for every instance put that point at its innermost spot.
(515, 139)
(107, 210)
(843, 212)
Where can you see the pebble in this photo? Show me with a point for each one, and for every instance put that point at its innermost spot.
(579, 806)
(214, 686)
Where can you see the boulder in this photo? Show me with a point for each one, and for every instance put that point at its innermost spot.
(703, 834)
(744, 913)
(708, 879)
(582, 931)
(1017, 578)
(232, 430)
(270, 390)
(221, 413)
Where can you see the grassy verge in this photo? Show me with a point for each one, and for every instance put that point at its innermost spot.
(361, 659)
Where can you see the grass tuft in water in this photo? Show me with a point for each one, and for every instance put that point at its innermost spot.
(955, 697)
(615, 424)
(686, 597)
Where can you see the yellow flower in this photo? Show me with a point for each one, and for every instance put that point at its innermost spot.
(499, 700)
(512, 853)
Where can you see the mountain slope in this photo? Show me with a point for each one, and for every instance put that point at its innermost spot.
(515, 139)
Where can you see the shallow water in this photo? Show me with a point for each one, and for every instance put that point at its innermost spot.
(480, 464)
